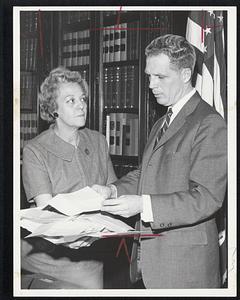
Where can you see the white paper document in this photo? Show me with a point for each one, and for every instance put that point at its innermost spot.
(71, 226)
(83, 200)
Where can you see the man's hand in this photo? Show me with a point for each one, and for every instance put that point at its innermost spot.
(103, 190)
(125, 206)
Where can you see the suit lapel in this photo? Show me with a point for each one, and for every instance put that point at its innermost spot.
(176, 125)
(180, 120)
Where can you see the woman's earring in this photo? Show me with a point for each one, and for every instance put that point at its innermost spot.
(55, 115)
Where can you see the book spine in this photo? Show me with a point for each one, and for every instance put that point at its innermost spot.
(114, 88)
(126, 135)
(118, 88)
(105, 88)
(118, 150)
(69, 50)
(107, 49)
(79, 55)
(34, 54)
(112, 133)
(108, 130)
(104, 44)
(24, 129)
(123, 38)
(111, 87)
(129, 41)
(111, 44)
(117, 42)
(129, 85)
(125, 80)
(137, 40)
(132, 91)
(31, 54)
(136, 86)
(74, 48)
(65, 49)
(88, 47)
(84, 47)
(123, 120)
(134, 136)
(27, 54)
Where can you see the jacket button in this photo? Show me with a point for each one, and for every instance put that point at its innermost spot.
(162, 224)
(169, 224)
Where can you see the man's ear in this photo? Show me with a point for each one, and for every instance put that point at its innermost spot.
(186, 74)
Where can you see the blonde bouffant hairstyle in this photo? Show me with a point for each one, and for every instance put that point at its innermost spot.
(49, 90)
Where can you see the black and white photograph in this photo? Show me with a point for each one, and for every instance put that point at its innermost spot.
(124, 150)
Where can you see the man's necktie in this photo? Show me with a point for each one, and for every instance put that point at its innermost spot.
(164, 126)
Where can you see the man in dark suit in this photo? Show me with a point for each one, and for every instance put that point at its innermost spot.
(182, 179)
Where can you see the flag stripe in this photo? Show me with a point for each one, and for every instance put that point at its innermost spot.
(193, 34)
(207, 85)
(218, 103)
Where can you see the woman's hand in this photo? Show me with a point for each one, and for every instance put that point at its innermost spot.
(42, 200)
(104, 191)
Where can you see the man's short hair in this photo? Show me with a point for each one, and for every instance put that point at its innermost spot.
(180, 52)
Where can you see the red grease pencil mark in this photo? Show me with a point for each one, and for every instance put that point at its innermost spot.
(123, 241)
(118, 17)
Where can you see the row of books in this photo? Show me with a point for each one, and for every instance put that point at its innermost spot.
(71, 17)
(29, 21)
(110, 13)
(160, 23)
(76, 48)
(28, 128)
(122, 133)
(28, 54)
(120, 87)
(121, 42)
(28, 84)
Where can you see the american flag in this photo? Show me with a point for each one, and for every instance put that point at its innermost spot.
(205, 31)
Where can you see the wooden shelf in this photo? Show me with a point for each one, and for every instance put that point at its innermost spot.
(121, 110)
(120, 63)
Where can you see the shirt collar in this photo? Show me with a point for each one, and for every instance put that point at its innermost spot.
(178, 106)
(54, 144)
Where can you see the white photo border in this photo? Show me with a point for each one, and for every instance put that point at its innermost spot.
(232, 163)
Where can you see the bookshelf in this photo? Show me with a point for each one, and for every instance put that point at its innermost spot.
(28, 77)
(127, 110)
(36, 59)
(75, 42)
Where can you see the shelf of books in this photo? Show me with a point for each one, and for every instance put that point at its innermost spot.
(74, 51)
(28, 77)
(121, 89)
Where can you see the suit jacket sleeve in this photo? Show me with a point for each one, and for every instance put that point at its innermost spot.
(207, 179)
(128, 184)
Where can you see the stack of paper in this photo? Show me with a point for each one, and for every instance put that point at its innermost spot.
(79, 221)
